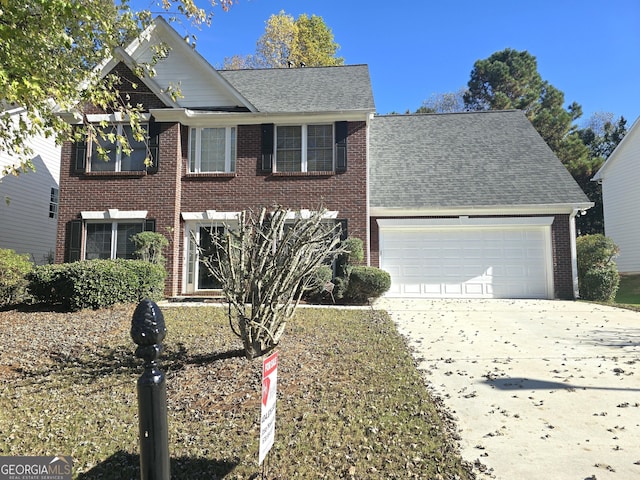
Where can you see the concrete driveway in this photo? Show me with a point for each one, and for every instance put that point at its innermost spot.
(539, 389)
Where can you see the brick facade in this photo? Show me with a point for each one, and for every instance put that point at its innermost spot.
(172, 190)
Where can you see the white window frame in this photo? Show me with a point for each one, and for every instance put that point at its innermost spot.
(304, 146)
(54, 202)
(230, 146)
(114, 234)
(118, 154)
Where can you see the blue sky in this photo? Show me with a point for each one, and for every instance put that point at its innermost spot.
(588, 49)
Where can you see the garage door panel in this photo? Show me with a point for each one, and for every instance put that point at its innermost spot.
(509, 262)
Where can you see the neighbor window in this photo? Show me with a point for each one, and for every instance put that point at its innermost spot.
(113, 158)
(110, 240)
(212, 150)
(304, 148)
(53, 203)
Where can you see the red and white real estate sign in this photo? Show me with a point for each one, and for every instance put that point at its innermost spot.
(268, 409)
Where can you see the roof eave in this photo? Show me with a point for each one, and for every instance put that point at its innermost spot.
(535, 209)
(190, 117)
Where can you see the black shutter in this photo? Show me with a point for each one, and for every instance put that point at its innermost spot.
(74, 240)
(342, 131)
(150, 225)
(343, 232)
(79, 156)
(154, 146)
(266, 164)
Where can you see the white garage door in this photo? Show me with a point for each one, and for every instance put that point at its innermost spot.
(471, 259)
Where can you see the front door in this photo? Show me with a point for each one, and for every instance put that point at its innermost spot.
(200, 246)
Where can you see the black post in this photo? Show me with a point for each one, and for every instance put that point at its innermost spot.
(148, 331)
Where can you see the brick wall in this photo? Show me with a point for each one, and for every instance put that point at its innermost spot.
(171, 191)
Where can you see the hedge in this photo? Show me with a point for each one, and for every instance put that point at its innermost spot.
(96, 283)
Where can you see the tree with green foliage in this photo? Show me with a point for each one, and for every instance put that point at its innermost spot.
(601, 135)
(48, 53)
(288, 42)
(510, 79)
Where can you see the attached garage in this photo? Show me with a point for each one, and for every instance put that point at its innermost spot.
(468, 257)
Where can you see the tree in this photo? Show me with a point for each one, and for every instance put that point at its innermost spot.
(450, 102)
(510, 79)
(289, 42)
(266, 265)
(48, 52)
(601, 136)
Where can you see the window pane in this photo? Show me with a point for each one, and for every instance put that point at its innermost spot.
(289, 149)
(98, 241)
(319, 148)
(124, 245)
(102, 164)
(212, 150)
(205, 279)
(133, 162)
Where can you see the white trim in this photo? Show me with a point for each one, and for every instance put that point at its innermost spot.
(409, 223)
(305, 214)
(117, 117)
(198, 118)
(114, 214)
(209, 215)
(542, 209)
(574, 253)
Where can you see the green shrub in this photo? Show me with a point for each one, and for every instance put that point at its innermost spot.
(595, 251)
(598, 276)
(14, 268)
(600, 284)
(366, 283)
(97, 283)
(149, 246)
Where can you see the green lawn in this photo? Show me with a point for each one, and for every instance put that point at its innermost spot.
(351, 403)
(629, 291)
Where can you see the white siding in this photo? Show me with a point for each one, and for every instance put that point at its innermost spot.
(25, 225)
(621, 201)
(183, 68)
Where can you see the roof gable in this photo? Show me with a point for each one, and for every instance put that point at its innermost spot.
(200, 85)
(479, 159)
(633, 135)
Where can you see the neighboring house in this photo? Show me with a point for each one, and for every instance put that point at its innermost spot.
(620, 180)
(29, 202)
(451, 205)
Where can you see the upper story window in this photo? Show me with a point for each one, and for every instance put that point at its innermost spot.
(212, 150)
(304, 148)
(106, 153)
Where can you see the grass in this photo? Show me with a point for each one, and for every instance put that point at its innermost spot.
(629, 290)
(351, 403)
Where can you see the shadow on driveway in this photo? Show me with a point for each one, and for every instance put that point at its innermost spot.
(519, 383)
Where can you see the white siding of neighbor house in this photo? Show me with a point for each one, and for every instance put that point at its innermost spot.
(621, 200)
(196, 78)
(25, 225)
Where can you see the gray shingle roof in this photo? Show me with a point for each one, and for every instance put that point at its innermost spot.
(465, 160)
(309, 89)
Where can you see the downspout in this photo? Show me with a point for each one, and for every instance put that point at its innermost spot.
(368, 215)
(574, 253)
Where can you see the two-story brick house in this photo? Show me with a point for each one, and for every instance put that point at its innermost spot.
(302, 138)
